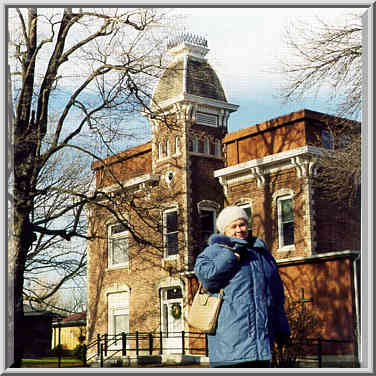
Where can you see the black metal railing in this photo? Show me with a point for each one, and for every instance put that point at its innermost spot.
(195, 343)
(146, 343)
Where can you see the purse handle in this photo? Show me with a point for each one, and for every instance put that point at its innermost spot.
(200, 286)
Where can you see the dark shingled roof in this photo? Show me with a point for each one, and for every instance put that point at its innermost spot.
(201, 80)
(75, 317)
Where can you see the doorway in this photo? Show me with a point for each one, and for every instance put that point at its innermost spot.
(172, 319)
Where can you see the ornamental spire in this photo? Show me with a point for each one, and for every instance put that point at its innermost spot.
(185, 43)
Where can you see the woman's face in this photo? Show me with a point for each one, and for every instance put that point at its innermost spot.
(237, 229)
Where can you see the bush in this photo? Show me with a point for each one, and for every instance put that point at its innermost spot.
(60, 350)
(79, 352)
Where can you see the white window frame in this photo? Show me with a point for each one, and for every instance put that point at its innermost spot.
(177, 148)
(110, 238)
(168, 148)
(165, 247)
(117, 304)
(281, 240)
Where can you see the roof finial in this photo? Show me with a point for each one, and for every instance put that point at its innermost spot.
(188, 43)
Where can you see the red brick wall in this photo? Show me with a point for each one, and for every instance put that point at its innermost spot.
(125, 165)
(332, 301)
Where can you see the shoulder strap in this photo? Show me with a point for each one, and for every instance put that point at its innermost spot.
(201, 287)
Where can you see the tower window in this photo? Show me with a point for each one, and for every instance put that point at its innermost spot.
(171, 232)
(160, 151)
(201, 146)
(207, 224)
(218, 151)
(195, 145)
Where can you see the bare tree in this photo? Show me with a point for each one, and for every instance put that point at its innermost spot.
(328, 59)
(325, 57)
(78, 77)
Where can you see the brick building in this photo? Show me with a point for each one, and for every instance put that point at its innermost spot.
(168, 191)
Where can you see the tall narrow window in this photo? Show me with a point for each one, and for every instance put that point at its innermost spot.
(118, 316)
(160, 150)
(168, 148)
(171, 232)
(201, 146)
(327, 139)
(190, 145)
(195, 145)
(177, 150)
(218, 151)
(285, 221)
(207, 146)
(117, 245)
(207, 224)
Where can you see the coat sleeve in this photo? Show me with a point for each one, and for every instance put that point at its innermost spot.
(279, 322)
(215, 266)
(281, 327)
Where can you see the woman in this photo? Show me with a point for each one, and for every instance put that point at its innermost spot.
(252, 314)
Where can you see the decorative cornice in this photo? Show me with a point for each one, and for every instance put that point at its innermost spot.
(257, 166)
(184, 97)
(305, 166)
(318, 257)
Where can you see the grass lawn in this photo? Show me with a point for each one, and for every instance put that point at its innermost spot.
(50, 362)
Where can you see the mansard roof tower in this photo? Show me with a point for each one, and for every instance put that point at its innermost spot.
(190, 118)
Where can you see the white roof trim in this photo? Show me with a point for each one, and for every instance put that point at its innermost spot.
(184, 97)
(319, 256)
(268, 160)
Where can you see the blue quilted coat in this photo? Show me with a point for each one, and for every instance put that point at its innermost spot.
(252, 312)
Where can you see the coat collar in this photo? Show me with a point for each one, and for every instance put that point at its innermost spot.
(221, 239)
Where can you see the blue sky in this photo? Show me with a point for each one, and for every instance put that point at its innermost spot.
(244, 45)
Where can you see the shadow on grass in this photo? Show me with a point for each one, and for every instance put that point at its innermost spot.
(51, 362)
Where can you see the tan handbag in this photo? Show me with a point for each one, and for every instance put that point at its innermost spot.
(204, 310)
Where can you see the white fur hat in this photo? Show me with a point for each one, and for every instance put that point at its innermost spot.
(229, 215)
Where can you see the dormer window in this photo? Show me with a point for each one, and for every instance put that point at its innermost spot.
(206, 119)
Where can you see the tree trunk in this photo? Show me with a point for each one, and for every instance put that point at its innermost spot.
(22, 240)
